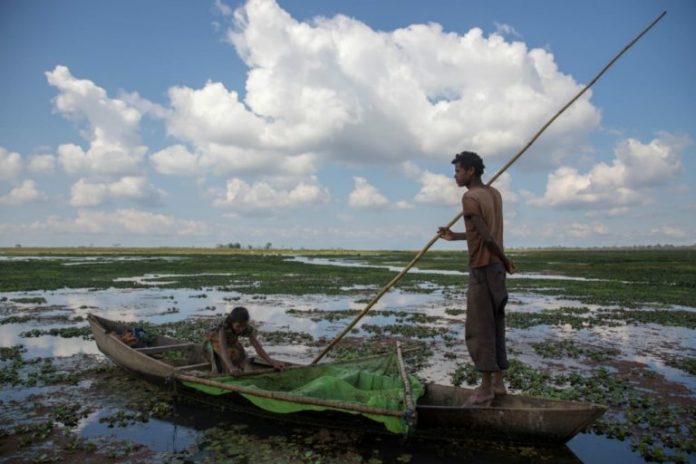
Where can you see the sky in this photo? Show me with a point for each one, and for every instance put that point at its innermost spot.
(314, 124)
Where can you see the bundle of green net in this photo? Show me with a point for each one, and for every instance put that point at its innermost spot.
(373, 382)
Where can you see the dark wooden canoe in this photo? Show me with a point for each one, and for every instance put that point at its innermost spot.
(514, 418)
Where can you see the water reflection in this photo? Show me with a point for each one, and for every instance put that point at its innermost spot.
(46, 345)
(157, 435)
(593, 449)
(170, 305)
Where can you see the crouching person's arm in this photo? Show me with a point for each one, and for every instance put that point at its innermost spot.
(261, 352)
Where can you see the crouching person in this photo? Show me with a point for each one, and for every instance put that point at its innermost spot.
(226, 352)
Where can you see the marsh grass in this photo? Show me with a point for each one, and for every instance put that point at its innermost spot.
(602, 317)
(628, 277)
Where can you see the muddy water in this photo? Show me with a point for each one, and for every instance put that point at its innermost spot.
(163, 438)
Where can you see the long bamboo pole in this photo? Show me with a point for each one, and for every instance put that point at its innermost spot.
(498, 174)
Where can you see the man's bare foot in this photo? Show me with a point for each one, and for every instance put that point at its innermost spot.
(498, 385)
(479, 398)
(500, 390)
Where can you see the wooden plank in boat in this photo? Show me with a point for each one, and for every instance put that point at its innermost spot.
(161, 349)
(193, 366)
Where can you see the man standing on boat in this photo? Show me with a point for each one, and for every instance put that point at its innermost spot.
(487, 294)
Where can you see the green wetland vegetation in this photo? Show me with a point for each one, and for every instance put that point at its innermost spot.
(624, 277)
(616, 327)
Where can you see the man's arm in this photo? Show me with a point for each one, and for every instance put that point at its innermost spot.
(261, 352)
(471, 211)
(447, 234)
(224, 354)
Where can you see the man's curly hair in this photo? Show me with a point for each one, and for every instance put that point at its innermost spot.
(468, 159)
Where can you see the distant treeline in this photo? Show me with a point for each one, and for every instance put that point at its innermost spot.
(658, 246)
(238, 246)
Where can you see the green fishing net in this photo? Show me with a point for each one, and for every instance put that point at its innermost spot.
(373, 382)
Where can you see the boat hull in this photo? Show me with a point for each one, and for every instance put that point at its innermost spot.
(511, 418)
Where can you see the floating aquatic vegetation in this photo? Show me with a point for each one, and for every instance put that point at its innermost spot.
(686, 364)
(579, 318)
(123, 418)
(35, 371)
(237, 444)
(12, 352)
(568, 348)
(334, 315)
(285, 337)
(75, 443)
(65, 332)
(43, 319)
(465, 372)
(170, 310)
(405, 330)
(191, 330)
(31, 300)
(675, 318)
(318, 314)
(657, 421)
(31, 433)
(575, 317)
(68, 414)
(15, 320)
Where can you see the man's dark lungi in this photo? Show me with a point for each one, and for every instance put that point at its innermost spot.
(485, 317)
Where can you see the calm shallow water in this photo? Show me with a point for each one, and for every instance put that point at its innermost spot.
(648, 344)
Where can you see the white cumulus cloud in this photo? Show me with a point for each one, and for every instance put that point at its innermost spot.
(263, 195)
(111, 128)
(212, 115)
(334, 88)
(42, 163)
(574, 230)
(225, 160)
(668, 231)
(175, 160)
(138, 189)
(10, 164)
(125, 221)
(438, 189)
(636, 166)
(365, 195)
(143, 222)
(24, 193)
(506, 29)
